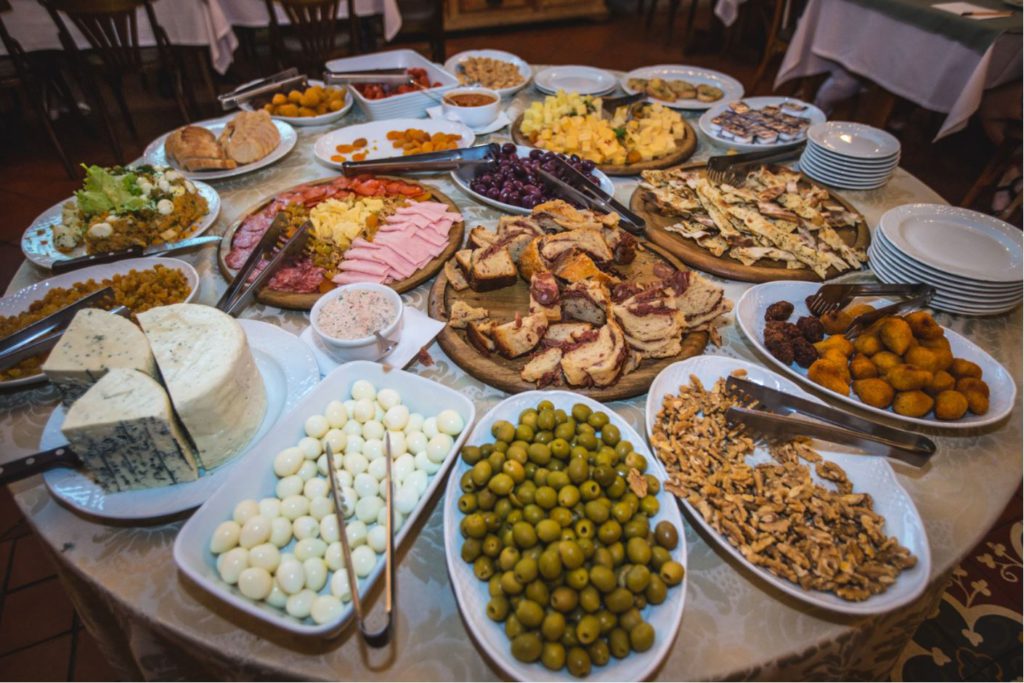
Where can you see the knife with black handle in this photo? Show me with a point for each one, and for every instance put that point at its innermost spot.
(22, 468)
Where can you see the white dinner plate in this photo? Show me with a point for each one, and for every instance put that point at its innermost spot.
(852, 168)
(855, 140)
(257, 480)
(19, 301)
(463, 176)
(812, 113)
(471, 593)
(377, 144)
(156, 154)
(452, 66)
(289, 371)
(585, 80)
(868, 474)
(749, 313)
(954, 240)
(37, 240)
(732, 89)
(837, 180)
(819, 152)
(945, 285)
(321, 120)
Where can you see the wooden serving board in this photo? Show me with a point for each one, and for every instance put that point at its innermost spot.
(503, 304)
(684, 149)
(303, 301)
(765, 270)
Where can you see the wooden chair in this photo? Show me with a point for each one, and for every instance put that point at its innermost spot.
(111, 28)
(31, 81)
(673, 7)
(313, 24)
(781, 26)
(423, 21)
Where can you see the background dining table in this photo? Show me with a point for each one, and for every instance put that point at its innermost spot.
(152, 623)
(939, 60)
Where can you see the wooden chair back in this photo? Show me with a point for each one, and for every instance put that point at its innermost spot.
(314, 24)
(110, 26)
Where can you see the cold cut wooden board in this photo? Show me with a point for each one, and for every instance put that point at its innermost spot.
(684, 149)
(503, 304)
(765, 270)
(305, 301)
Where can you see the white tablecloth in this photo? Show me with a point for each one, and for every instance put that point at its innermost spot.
(253, 13)
(929, 69)
(187, 22)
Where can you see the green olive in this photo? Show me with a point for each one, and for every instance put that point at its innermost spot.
(538, 592)
(495, 460)
(533, 514)
(553, 626)
(584, 528)
(571, 554)
(525, 432)
(578, 662)
(502, 508)
(638, 578)
(638, 527)
(619, 600)
(671, 573)
(659, 556)
(524, 534)
(656, 591)
(636, 461)
(515, 470)
(616, 488)
(609, 532)
(545, 405)
(543, 437)
(546, 497)
(561, 515)
(528, 416)
(546, 419)
(466, 482)
(553, 656)
(548, 530)
(603, 475)
(527, 647)
(599, 653)
(649, 505)
(503, 430)
(526, 570)
(653, 485)
(638, 550)
(623, 448)
(481, 473)
(564, 599)
(517, 452)
(483, 568)
(486, 499)
(666, 535)
(539, 453)
(473, 526)
(471, 455)
(590, 490)
(618, 551)
(512, 627)
(622, 512)
(641, 637)
(603, 558)
(578, 578)
(486, 449)
(470, 549)
(560, 416)
(508, 558)
(565, 432)
(587, 441)
(491, 546)
(514, 516)
(497, 608)
(595, 512)
(580, 412)
(588, 629)
(568, 496)
(529, 614)
(590, 598)
(569, 638)
(540, 476)
(598, 420)
(557, 480)
(610, 435)
(618, 643)
(500, 484)
(630, 618)
(550, 565)
(494, 586)
(607, 620)
(602, 578)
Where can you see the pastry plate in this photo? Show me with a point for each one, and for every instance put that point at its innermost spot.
(732, 89)
(813, 113)
(19, 301)
(289, 371)
(868, 474)
(37, 240)
(156, 154)
(471, 593)
(463, 176)
(452, 66)
(750, 316)
(257, 480)
(375, 132)
(321, 120)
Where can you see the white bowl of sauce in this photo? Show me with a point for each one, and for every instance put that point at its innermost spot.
(475, 107)
(346, 318)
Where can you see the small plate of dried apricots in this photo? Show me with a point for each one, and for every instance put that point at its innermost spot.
(906, 367)
(314, 105)
(390, 138)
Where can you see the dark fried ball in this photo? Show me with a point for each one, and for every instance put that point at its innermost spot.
(781, 349)
(811, 328)
(804, 352)
(780, 310)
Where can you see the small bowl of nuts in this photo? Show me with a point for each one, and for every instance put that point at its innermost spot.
(502, 72)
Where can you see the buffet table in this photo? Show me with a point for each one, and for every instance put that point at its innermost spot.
(151, 623)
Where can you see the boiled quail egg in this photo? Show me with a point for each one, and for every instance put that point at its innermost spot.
(365, 410)
(316, 487)
(321, 507)
(363, 560)
(290, 575)
(231, 564)
(325, 609)
(317, 426)
(439, 447)
(336, 414)
(316, 573)
(415, 423)
(367, 508)
(308, 470)
(388, 398)
(300, 604)
(293, 507)
(288, 462)
(246, 509)
(270, 507)
(373, 449)
(289, 486)
(416, 442)
(377, 539)
(255, 583)
(406, 499)
(449, 422)
(255, 531)
(329, 529)
(396, 417)
(266, 556)
(430, 427)
(309, 547)
(356, 533)
(225, 537)
(280, 531)
(419, 479)
(363, 390)
(340, 587)
(425, 464)
(305, 527)
(373, 430)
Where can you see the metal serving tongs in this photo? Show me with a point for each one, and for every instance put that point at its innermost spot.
(397, 76)
(450, 160)
(862, 322)
(289, 78)
(578, 187)
(837, 426)
(241, 291)
(381, 637)
(43, 343)
(732, 169)
(55, 322)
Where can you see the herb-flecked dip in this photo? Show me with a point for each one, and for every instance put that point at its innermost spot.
(356, 314)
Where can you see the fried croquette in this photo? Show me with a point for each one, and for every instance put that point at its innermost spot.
(950, 405)
(941, 381)
(868, 344)
(837, 342)
(830, 374)
(905, 377)
(923, 325)
(964, 368)
(873, 391)
(861, 367)
(912, 403)
(885, 360)
(895, 335)
(924, 358)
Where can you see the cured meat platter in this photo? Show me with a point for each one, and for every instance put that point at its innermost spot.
(855, 235)
(411, 261)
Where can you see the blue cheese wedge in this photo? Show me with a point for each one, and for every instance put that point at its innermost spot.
(211, 376)
(125, 432)
(96, 341)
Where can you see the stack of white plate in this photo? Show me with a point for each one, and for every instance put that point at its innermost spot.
(849, 155)
(585, 80)
(973, 260)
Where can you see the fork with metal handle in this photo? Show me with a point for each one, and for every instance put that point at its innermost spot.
(862, 322)
(830, 298)
(380, 637)
(898, 443)
(732, 169)
(448, 160)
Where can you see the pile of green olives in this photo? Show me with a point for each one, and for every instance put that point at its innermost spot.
(565, 546)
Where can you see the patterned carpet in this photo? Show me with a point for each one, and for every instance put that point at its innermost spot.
(975, 634)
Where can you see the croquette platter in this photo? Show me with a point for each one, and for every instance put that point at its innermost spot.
(688, 221)
(301, 201)
(1001, 389)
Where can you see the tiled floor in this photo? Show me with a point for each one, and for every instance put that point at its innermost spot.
(40, 636)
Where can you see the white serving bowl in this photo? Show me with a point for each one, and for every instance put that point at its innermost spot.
(408, 105)
(474, 117)
(361, 348)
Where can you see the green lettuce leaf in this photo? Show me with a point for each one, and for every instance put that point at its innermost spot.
(103, 191)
